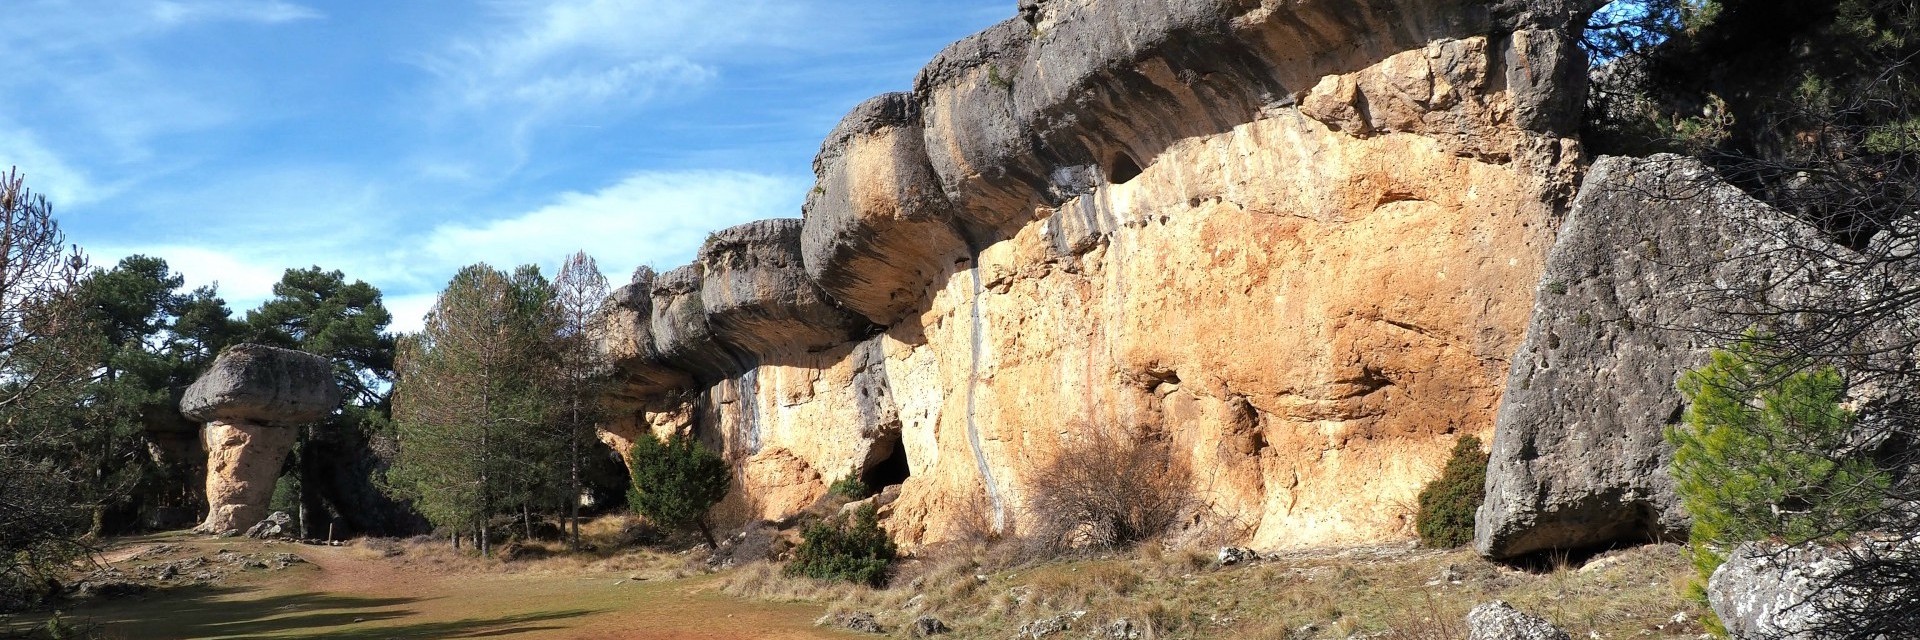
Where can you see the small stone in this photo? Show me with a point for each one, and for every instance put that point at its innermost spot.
(1230, 556)
(861, 621)
(928, 626)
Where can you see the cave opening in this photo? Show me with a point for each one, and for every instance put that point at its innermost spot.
(1123, 169)
(889, 471)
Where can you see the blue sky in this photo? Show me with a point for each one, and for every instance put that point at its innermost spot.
(400, 140)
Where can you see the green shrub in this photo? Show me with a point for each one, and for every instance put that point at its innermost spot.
(1447, 504)
(1758, 456)
(838, 548)
(850, 488)
(676, 482)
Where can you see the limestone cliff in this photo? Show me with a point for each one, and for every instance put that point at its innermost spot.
(1299, 240)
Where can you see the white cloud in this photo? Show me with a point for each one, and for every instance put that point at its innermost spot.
(409, 311)
(175, 12)
(656, 218)
(584, 54)
(245, 279)
(44, 171)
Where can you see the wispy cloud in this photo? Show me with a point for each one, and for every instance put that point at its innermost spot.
(651, 218)
(46, 172)
(588, 54)
(175, 12)
(656, 218)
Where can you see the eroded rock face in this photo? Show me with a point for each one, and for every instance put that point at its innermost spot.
(1767, 592)
(683, 338)
(1631, 298)
(878, 230)
(1298, 240)
(758, 298)
(251, 399)
(626, 336)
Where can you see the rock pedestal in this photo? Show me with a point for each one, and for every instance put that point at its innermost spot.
(243, 462)
(252, 399)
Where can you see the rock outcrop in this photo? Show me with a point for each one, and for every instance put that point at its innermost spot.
(1768, 592)
(1299, 241)
(251, 400)
(1498, 620)
(1636, 291)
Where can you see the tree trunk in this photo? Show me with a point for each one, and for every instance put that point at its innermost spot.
(573, 459)
(300, 474)
(707, 531)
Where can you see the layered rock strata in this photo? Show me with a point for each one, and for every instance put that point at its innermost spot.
(1298, 241)
(251, 400)
(1646, 277)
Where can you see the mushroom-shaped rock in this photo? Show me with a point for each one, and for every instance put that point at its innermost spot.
(877, 234)
(758, 297)
(250, 400)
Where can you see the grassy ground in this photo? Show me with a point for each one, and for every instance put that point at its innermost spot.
(1390, 592)
(423, 589)
(397, 590)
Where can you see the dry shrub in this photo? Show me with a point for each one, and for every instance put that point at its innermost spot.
(972, 522)
(1106, 490)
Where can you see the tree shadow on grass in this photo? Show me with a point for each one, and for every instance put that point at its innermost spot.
(226, 612)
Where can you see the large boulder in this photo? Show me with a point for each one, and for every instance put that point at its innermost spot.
(263, 385)
(1763, 591)
(250, 399)
(1636, 290)
(1861, 589)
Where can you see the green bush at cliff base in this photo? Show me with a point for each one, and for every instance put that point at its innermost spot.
(839, 548)
(850, 488)
(1761, 455)
(675, 482)
(1445, 519)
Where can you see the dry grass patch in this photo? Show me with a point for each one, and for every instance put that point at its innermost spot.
(1389, 592)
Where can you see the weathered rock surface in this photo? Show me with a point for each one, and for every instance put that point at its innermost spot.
(243, 462)
(263, 385)
(1766, 592)
(1631, 297)
(1498, 620)
(683, 337)
(251, 398)
(758, 298)
(878, 231)
(626, 336)
(1298, 240)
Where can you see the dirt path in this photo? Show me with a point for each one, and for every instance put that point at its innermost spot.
(345, 594)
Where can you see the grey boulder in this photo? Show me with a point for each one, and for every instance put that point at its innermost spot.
(1498, 620)
(263, 385)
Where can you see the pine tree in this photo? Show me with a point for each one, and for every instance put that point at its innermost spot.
(578, 292)
(1762, 455)
(470, 404)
